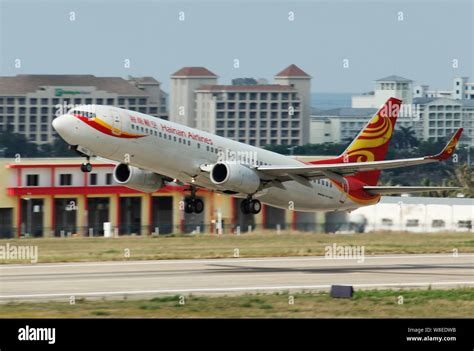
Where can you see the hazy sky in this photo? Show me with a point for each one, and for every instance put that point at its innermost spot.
(257, 33)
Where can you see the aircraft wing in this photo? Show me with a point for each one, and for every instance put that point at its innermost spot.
(384, 190)
(322, 170)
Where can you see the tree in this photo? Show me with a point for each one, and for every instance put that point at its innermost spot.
(12, 144)
(58, 148)
(405, 138)
(463, 176)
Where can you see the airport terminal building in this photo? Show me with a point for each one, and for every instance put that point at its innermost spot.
(28, 103)
(52, 197)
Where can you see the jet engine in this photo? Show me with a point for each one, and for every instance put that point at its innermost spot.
(138, 179)
(235, 177)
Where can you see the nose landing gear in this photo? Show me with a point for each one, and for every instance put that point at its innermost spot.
(86, 167)
(250, 205)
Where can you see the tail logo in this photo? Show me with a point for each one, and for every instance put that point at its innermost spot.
(377, 133)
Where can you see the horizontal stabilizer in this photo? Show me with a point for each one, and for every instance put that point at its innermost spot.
(384, 190)
(320, 169)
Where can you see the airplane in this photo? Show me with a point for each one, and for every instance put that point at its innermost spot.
(152, 152)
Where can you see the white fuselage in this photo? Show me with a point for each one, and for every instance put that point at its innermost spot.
(179, 152)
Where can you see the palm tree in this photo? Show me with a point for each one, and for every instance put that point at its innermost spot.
(405, 138)
(462, 176)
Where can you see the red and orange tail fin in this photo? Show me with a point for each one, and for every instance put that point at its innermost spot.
(371, 144)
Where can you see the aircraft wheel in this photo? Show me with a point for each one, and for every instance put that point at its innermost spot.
(188, 206)
(244, 206)
(198, 205)
(255, 206)
(86, 167)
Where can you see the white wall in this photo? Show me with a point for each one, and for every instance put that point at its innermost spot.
(399, 215)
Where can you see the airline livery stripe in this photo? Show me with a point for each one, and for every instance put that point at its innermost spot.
(105, 128)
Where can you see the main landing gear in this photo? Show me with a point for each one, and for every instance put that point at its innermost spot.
(86, 167)
(250, 205)
(193, 204)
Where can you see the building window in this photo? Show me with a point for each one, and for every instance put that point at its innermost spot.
(108, 179)
(65, 179)
(32, 180)
(93, 179)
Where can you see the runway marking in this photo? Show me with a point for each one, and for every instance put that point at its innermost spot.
(221, 260)
(235, 289)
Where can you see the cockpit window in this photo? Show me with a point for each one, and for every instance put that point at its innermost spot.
(86, 114)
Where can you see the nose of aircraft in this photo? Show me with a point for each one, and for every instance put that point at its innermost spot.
(64, 125)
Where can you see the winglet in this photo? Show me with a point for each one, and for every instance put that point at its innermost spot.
(449, 148)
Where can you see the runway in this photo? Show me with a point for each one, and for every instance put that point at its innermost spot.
(139, 279)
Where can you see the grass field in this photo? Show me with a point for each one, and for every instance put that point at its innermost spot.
(263, 244)
(456, 303)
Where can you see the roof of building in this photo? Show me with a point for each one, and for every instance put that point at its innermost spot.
(423, 100)
(253, 87)
(144, 80)
(346, 112)
(394, 78)
(193, 72)
(427, 100)
(293, 71)
(29, 83)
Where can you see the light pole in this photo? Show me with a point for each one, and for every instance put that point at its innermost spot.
(400, 204)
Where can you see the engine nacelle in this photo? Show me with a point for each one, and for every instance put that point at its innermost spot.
(138, 179)
(235, 177)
